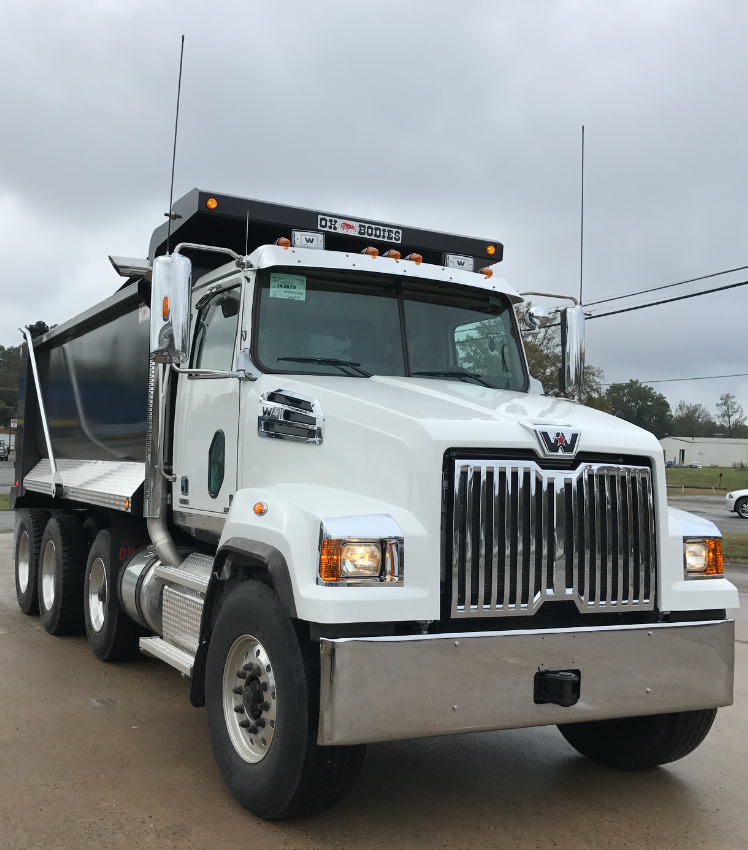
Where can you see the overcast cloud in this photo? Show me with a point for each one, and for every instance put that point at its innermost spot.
(457, 116)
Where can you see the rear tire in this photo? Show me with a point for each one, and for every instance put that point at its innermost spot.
(112, 634)
(62, 565)
(741, 508)
(289, 775)
(29, 533)
(638, 743)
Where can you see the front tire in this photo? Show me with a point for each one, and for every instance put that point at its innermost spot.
(62, 565)
(29, 533)
(113, 636)
(741, 508)
(260, 670)
(639, 743)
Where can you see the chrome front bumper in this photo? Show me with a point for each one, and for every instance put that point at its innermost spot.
(390, 688)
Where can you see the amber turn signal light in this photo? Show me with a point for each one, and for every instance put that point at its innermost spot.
(415, 258)
(283, 242)
(486, 271)
(260, 508)
(490, 250)
(165, 308)
(329, 560)
(714, 560)
(392, 254)
(211, 203)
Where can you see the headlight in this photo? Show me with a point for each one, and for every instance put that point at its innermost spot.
(729, 495)
(702, 556)
(361, 562)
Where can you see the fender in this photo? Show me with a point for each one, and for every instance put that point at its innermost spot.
(263, 554)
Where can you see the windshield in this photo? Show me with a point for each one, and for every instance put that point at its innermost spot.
(349, 323)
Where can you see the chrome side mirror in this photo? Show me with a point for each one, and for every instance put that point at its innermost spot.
(170, 307)
(572, 351)
(536, 317)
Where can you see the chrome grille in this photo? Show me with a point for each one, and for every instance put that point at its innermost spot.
(522, 535)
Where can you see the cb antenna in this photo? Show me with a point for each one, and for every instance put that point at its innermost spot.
(581, 228)
(171, 215)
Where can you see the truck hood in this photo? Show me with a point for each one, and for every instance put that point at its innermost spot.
(469, 414)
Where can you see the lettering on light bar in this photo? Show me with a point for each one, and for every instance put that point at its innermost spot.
(333, 224)
(457, 261)
(308, 239)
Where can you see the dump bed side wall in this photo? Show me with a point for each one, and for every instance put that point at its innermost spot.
(94, 377)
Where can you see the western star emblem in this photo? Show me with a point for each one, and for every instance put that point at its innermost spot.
(557, 440)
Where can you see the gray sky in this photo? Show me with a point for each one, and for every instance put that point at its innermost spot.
(457, 116)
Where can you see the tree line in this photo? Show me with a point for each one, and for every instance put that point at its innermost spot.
(10, 363)
(633, 401)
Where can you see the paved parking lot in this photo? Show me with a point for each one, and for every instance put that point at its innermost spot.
(97, 755)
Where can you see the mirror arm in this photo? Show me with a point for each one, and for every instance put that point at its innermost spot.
(552, 295)
(215, 373)
(240, 261)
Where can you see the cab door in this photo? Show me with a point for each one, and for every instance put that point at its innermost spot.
(207, 410)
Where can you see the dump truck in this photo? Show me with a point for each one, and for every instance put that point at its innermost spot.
(299, 458)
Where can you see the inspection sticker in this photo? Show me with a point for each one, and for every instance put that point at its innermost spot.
(291, 286)
(143, 313)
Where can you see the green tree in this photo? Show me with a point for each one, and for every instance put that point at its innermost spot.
(636, 402)
(731, 416)
(692, 420)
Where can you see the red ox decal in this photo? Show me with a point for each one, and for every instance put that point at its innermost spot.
(348, 228)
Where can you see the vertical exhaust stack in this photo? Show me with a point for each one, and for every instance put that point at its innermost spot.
(170, 320)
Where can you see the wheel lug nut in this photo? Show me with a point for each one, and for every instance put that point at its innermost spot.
(260, 721)
(238, 690)
(264, 685)
(241, 674)
(250, 668)
(239, 709)
(244, 724)
(264, 706)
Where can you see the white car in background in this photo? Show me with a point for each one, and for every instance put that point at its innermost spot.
(737, 500)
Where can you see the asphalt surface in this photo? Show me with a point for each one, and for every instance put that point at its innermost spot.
(112, 755)
(712, 508)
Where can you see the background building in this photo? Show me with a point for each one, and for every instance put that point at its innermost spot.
(708, 451)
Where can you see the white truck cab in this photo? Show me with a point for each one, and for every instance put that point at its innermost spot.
(346, 495)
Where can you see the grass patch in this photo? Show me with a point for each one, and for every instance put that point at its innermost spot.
(732, 479)
(735, 548)
(4, 501)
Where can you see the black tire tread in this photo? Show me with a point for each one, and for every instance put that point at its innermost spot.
(738, 505)
(36, 521)
(68, 619)
(640, 743)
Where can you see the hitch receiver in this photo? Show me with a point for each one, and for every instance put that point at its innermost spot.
(559, 687)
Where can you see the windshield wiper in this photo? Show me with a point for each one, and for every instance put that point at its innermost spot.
(330, 361)
(461, 374)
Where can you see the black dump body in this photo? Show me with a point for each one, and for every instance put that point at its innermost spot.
(94, 369)
(224, 224)
(94, 375)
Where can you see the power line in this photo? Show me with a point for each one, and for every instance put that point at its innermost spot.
(669, 300)
(670, 380)
(665, 286)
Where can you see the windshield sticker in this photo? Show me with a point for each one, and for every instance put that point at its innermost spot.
(290, 286)
(358, 228)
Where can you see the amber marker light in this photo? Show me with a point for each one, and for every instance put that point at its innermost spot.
(127, 504)
(329, 560)
(211, 203)
(283, 242)
(714, 560)
(371, 252)
(392, 254)
(486, 271)
(165, 308)
(415, 258)
(490, 250)
(260, 508)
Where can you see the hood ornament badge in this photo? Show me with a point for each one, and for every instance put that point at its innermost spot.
(556, 438)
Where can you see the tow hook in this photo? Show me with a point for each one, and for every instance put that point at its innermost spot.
(559, 687)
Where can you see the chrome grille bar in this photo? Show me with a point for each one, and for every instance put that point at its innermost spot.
(521, 535)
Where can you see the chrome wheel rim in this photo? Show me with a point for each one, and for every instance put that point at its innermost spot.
(49, 570)
(97, 594)
(249, 698)
(743, 509)
(24, 557)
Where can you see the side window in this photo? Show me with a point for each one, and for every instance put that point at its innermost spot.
(216, 459)
(217, 323)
